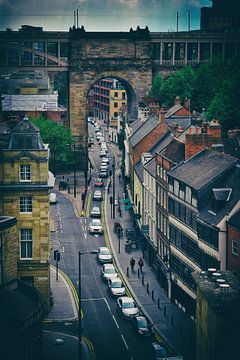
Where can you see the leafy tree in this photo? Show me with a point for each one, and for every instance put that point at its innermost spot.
(156, 86)
(60, 84)
(60, 141)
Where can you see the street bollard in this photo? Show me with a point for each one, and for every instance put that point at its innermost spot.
(153, 295)
(165, 311)
(143, 279)
(128, 271)
(148, 288)
(159, 305)
(138, 273)
(172, 320)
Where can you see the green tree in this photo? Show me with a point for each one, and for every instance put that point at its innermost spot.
(156, 86)
(60, 141)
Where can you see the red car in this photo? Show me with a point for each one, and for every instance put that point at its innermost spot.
(99, 183)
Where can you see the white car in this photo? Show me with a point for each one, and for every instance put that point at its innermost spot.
(105, 160)
(104, 255)
(95, 212)
(103, 153)
(127, 307)
(103, 167)
(97, 195)
(53, 198)
(95, 227)
(99, 136)
(108, 272)
(116, 287)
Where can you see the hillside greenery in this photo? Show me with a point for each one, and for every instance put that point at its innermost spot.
(213, 87)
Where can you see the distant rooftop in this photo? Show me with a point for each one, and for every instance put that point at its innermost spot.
(202, 168)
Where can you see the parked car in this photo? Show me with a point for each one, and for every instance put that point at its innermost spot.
(95, 212)
(104, 255)
(103, 174)
(105, 160)
(97, 195)
(95, 226)
(99, 135)
(141, 326)
(158, 351)
(97, 128)
(99, 182)
(116, 287)
(108, 272)
(53, 198)
(103, 167)
(127, 307)
(103, 153)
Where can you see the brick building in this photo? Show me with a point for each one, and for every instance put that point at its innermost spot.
(233, 244)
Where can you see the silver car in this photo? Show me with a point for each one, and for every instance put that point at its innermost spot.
(95, 212)
(95, 227)
(116, 287)
(127, 307)
(97, 195)
(104, 255)
(108, 272)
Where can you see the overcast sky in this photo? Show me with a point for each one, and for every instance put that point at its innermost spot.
(101, 15)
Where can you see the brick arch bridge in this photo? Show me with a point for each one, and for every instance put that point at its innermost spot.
(122, 56)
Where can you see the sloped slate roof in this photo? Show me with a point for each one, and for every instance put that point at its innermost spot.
(162, 142)
(25, 136)
(232, 181)
(144, 130)
(202, 168)
(150, 166)
(174, 151)
(235, 219)
(135, 125)
(173, 110)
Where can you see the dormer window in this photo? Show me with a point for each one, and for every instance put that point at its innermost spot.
(25, 172)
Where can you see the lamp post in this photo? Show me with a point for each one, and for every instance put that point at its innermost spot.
(113, 167)
(74, 170)
(79, 299)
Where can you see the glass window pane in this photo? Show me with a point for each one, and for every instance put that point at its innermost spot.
(52, 48)
(40, 46)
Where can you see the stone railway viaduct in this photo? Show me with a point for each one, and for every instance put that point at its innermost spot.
(133, 57)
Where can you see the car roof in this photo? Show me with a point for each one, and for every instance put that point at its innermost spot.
(109, 265)
(116, 279)
(126, 299)
(103, 248)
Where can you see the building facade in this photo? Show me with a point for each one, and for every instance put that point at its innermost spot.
(25, 196)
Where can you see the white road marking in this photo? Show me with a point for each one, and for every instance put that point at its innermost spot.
(115, 321)
(63, 250)
(125, 343)
(61, 225)
(85, 235)
(61, 231)
(107, 304)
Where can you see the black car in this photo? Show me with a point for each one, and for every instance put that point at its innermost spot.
(142, 326)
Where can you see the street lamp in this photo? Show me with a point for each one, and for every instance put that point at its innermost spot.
(113, 167)
(79, 299)
(74, 170)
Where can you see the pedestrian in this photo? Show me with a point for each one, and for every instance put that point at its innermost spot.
(140, 264)
(132, 263)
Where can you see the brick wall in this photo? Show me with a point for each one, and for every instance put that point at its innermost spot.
(233, 261)
(197, 142)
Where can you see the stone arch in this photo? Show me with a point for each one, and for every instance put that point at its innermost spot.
(132, 96)
(136, 80)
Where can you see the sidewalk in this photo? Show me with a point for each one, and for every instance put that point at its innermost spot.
(172, 324)
(62, 318)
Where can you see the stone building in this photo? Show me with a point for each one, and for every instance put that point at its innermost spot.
(24, 196)
(218, 315)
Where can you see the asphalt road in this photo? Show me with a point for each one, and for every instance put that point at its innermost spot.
(111, 336)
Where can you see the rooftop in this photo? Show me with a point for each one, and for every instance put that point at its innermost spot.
(202, 168)
(174, 151)
(143, 130)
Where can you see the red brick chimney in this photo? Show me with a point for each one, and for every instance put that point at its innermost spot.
(177, 100)
(186, 104)
(214, 128)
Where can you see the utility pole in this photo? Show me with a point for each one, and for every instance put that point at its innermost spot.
(113, 166)
(74, 170)
(189, 20)
(54, 156)
(177, 19)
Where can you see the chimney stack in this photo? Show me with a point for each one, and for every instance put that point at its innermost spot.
(177, 100)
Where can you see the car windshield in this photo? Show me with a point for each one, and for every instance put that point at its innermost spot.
(96, 222)
(104, 252)
(116, 284)
(110, 270)
(99, 180)
(129, 305)
(142, 323)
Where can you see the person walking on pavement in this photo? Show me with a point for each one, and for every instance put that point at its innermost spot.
(132, 263)
(140, 264)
